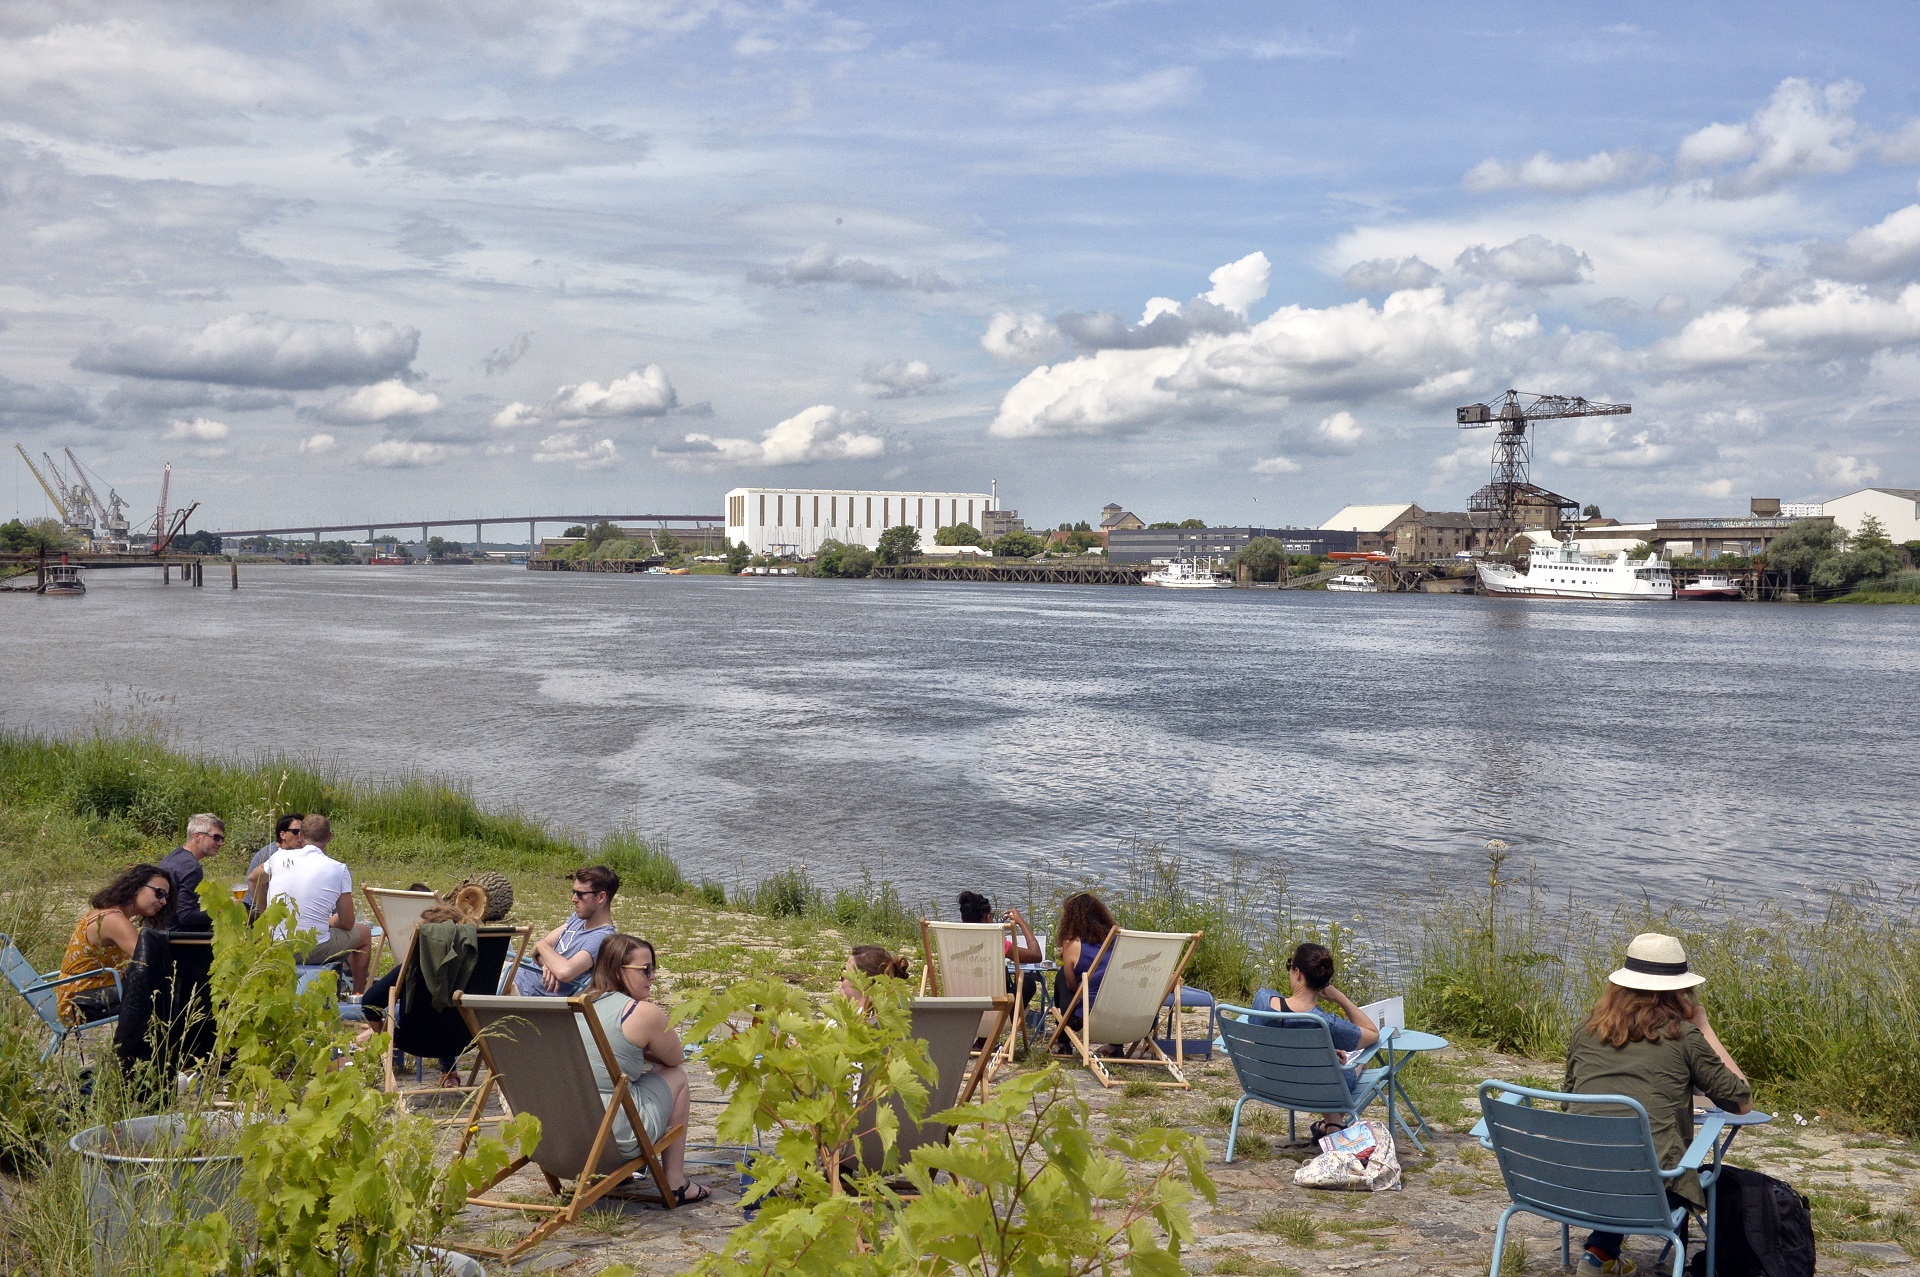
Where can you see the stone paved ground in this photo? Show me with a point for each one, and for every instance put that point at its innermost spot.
(1442, 1221)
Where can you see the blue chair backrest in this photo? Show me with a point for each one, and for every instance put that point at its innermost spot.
(1285, 1058)
(1599, 1167)
(22, 976)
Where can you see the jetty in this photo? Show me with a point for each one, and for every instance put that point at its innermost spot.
(1021, 571)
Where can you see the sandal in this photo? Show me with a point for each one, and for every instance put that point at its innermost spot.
(1320, 1130)
(691, 1192)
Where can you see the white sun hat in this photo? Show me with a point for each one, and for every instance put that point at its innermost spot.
(1657, 964)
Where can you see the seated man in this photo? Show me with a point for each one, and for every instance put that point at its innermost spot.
(321, 890)
(288, 835)
(562, 963)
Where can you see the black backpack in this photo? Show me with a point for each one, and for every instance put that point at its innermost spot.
(1762, 1228)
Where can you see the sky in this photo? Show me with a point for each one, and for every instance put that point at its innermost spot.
(1233, 261)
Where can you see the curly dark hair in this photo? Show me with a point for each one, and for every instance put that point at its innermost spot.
(1084, 918)
(975, 907)
(126, 885)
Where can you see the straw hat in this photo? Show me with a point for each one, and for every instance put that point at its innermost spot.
(1657, 964)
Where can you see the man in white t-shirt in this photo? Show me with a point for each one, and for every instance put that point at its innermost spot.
(321, 891)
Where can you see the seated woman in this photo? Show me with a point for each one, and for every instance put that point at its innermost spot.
(870, 960)
(649, 1054)
(1648, 1038)
(1310, 975)
(104, 941)
(1084, 926)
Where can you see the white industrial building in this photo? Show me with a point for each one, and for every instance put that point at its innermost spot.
(794, 521)
(1898, 510)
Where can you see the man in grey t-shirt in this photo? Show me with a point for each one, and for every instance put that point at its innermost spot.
(562, 963)
(206, 834)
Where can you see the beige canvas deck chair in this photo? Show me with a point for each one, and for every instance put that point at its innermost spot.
(398, 915)
(949, 1027)
(536, 1056)
(969, 960)
(1142, 968)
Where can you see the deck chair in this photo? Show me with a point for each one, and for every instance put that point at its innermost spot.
(42, 992)
(166, 1022)
(1591, 1170)
(1142, 969)
(949, 1027)
(969, 960)
(536, 1056)
(420, 1030)
(397, 913)
(1287, 1059)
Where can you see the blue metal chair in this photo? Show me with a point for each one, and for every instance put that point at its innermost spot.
(42, 993)
(1589, 1170)
(1287, 1059)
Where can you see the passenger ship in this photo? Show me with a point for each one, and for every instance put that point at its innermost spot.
(1560, 571)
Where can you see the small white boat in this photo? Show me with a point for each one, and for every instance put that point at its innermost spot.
(63, 578)
(1711, 587)
(1186, 574)
(1354, 583)
(1560, 571)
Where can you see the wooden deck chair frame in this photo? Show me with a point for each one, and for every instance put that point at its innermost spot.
(417, 901)
(998, 1040)
(1153, 1056)
(392, 1084)
(588, 1186)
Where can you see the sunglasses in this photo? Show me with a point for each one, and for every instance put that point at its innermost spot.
(647, 968)
(160, 893)
(582, 895)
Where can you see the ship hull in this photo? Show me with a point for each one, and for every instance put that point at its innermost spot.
(1504, 582)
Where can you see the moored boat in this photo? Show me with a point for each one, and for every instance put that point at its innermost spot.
(63, 578)
(1186, 574)
(1560, 571)
(1711, 587)
(1353, 584)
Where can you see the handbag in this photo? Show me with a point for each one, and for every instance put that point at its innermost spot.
(96, 1004)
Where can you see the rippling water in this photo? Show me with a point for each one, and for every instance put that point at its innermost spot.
(947, 735)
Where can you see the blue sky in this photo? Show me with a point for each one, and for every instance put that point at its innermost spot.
(1236, 261)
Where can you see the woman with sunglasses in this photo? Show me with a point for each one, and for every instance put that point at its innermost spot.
(649, 1054)
(104, 941)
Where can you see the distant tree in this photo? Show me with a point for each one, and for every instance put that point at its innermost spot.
(1066, 527)
(1590, 512)
(1193, 523)
(856, 561)
(440, 547)
(576, 530)
(27, 538)
(737, 556)
(1802, 548)
(1018, 545)
(898, 544)
(1913, 552)
(957, 534)
(1163, 525)
(202, 542)
(1869, 554)
(1082, 526)
(601, 533)
(1263, 557)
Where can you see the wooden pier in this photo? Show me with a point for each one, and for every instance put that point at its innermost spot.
(536, 564)
(1022, 571)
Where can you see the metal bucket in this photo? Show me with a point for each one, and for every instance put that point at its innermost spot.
(136, 1180)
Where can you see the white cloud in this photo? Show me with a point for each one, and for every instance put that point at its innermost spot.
(1889, 247)
(901, 380)
(505, 356)
(1340, 432)
(1238, 285)
(1171, 86)
(1848, 471)
(1532, 261)
(314, 445)
(1275, 465)
(1801, 130)
(645, 392)
(1827, 320)
(1027, 338)
(1387, 275)
(819, 433)
(199, 430)
(467, 148)
(578, 451)
(1557, 177)
(407, 454)
(382, 401)
(820, 264)
(256, 350)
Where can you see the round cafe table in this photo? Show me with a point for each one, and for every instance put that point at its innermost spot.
(1398, 1045)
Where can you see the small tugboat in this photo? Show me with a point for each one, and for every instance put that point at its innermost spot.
(1710, 587)
(63, 578)
(1354, 583)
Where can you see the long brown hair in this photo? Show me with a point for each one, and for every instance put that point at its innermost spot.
(1085, 919)
(617, 951)
(872, 960)
(1626, 1015)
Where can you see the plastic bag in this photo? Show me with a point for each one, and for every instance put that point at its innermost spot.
(1375, 1171)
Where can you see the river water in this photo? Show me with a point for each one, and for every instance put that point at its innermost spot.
(949, 735)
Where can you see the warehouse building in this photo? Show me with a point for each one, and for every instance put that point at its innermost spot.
(792, 522)
(1162, 545)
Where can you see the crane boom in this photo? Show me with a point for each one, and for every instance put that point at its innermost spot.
(85, 487)
(58, 503)
(1511, 489)
(160, 517)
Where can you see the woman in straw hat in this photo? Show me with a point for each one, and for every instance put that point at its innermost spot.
(1649, 1039)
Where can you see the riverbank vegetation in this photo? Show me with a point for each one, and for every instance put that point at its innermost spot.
(1821, 1005)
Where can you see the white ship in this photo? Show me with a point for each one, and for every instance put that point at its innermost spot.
(1186, 574)
(1560, 571)
(1353, 584)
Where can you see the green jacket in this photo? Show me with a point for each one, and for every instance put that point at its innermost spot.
(1663, 1076)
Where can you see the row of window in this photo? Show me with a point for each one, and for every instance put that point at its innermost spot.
(835, 506)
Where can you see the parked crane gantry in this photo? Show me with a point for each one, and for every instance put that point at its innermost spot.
(1512, 451)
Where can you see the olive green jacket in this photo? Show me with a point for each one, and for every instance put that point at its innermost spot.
(1663, 1076)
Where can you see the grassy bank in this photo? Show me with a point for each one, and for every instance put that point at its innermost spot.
(1821, 1008)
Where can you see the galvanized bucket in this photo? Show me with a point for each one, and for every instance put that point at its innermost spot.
(139, 1175)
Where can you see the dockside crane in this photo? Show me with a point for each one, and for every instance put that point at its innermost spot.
(110, 514)
(69, 499)
(57, 497)
(1511, 488)
(160, 516)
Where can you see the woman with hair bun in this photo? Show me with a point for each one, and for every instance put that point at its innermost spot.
(1310, 976)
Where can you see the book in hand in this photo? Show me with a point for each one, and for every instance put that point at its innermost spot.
(1356, 1139)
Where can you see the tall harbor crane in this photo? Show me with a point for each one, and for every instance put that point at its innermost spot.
(1510, 489)
(70, 500)
(110, 514)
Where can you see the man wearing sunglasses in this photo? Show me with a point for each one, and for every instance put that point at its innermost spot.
(206, 834)
(562, 963)
(288, 835)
